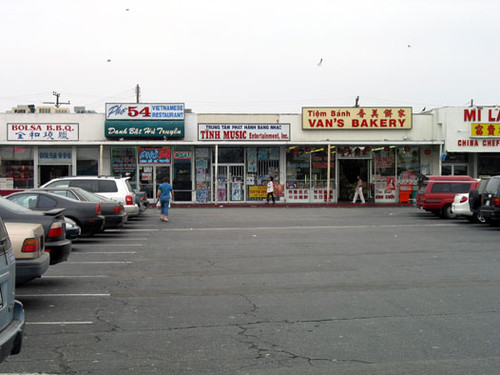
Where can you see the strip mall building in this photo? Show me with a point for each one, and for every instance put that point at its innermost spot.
(314, 156)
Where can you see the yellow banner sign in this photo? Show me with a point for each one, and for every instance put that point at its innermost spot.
(485, 130)
(367, 118)
(257, 191)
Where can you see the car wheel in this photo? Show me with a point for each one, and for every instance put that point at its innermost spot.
(478, 218)
(448, 213)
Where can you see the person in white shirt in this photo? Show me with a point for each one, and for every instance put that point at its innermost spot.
(270, 190)
(359, 192)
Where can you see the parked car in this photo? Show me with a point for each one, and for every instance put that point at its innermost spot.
(490, 206)
(12, 318)
(475, 197)
(461, 207)
(436, 193)
(53, 224)
(87, 215)
(113, 211)
(116, 188)
(73, 231)
(29, 250)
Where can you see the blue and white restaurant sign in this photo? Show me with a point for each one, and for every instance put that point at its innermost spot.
(144, 120)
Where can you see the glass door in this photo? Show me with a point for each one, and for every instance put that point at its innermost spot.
(236, 182)
(230, 183)
(222, 177)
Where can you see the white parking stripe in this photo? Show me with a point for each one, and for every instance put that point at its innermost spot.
(77, 244)
(73, 276)
(100, 262)
(104, 252)
(63, 295)
(58, 323)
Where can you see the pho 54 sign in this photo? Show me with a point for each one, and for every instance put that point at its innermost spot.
(140, 111)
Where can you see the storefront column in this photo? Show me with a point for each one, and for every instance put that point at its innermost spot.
(216, 173)
(328, 173)
(101, 162)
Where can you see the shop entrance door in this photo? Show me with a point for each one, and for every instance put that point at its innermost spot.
(150, 177)
(230, 183)
(349, 169)
(48, 172)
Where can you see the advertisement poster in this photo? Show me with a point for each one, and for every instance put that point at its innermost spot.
(252, 159)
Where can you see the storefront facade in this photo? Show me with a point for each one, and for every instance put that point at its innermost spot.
(314, 157)
(472, 140)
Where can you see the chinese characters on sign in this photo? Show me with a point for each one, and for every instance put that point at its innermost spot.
(485, 130)
(42, 132)
(373, 118)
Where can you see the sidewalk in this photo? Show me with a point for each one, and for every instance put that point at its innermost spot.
(285, 204)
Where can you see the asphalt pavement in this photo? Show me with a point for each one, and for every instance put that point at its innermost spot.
(270, 290)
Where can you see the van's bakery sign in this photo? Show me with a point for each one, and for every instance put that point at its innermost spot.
(356, 118)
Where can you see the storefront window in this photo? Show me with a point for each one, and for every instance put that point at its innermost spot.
(231, 155)
(262, 163)
(455, 164)
(319, 168)
(16, 168)
(385, 174)
(408, 166)
(488, 165)
(298, 168)
(124, 163)
(86, 161)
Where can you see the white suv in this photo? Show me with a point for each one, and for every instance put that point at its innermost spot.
(117, 188)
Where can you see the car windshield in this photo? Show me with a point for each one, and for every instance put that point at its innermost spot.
(5, 203)
(493, 185)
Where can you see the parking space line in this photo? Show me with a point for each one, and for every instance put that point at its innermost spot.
(111, 245)
(319, 227)
(59, 323)
(73, 276)
(124, 262)
(104, 252)
(64, 295)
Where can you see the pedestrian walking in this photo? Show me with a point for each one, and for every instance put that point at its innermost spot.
(164, 194)
(358, 191)
(270, 190)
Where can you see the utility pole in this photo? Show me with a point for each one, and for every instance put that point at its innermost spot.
(137, 94)
(57, 102)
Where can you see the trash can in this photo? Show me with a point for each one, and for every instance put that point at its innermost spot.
(405, 193)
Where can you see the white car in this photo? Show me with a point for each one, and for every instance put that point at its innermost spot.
(461, 207)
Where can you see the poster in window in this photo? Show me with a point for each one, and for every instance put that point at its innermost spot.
(252, 159)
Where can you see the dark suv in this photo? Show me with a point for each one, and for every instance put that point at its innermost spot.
(490, 201)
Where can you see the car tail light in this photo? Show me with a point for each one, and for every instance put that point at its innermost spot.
(463, 199)
(118, 209)
(31, 245)
(496, 201)
(98, 209)
(56, 230)
(129, 200)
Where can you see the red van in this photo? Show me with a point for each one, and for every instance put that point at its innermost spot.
(436, 193)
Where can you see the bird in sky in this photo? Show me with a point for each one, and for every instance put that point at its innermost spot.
(320, 62)
(108, 60)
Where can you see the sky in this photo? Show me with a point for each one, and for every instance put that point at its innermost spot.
(256, 56)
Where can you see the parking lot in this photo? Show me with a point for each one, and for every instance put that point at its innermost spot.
(270, 290)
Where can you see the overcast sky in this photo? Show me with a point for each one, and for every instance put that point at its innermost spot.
(254, 56)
